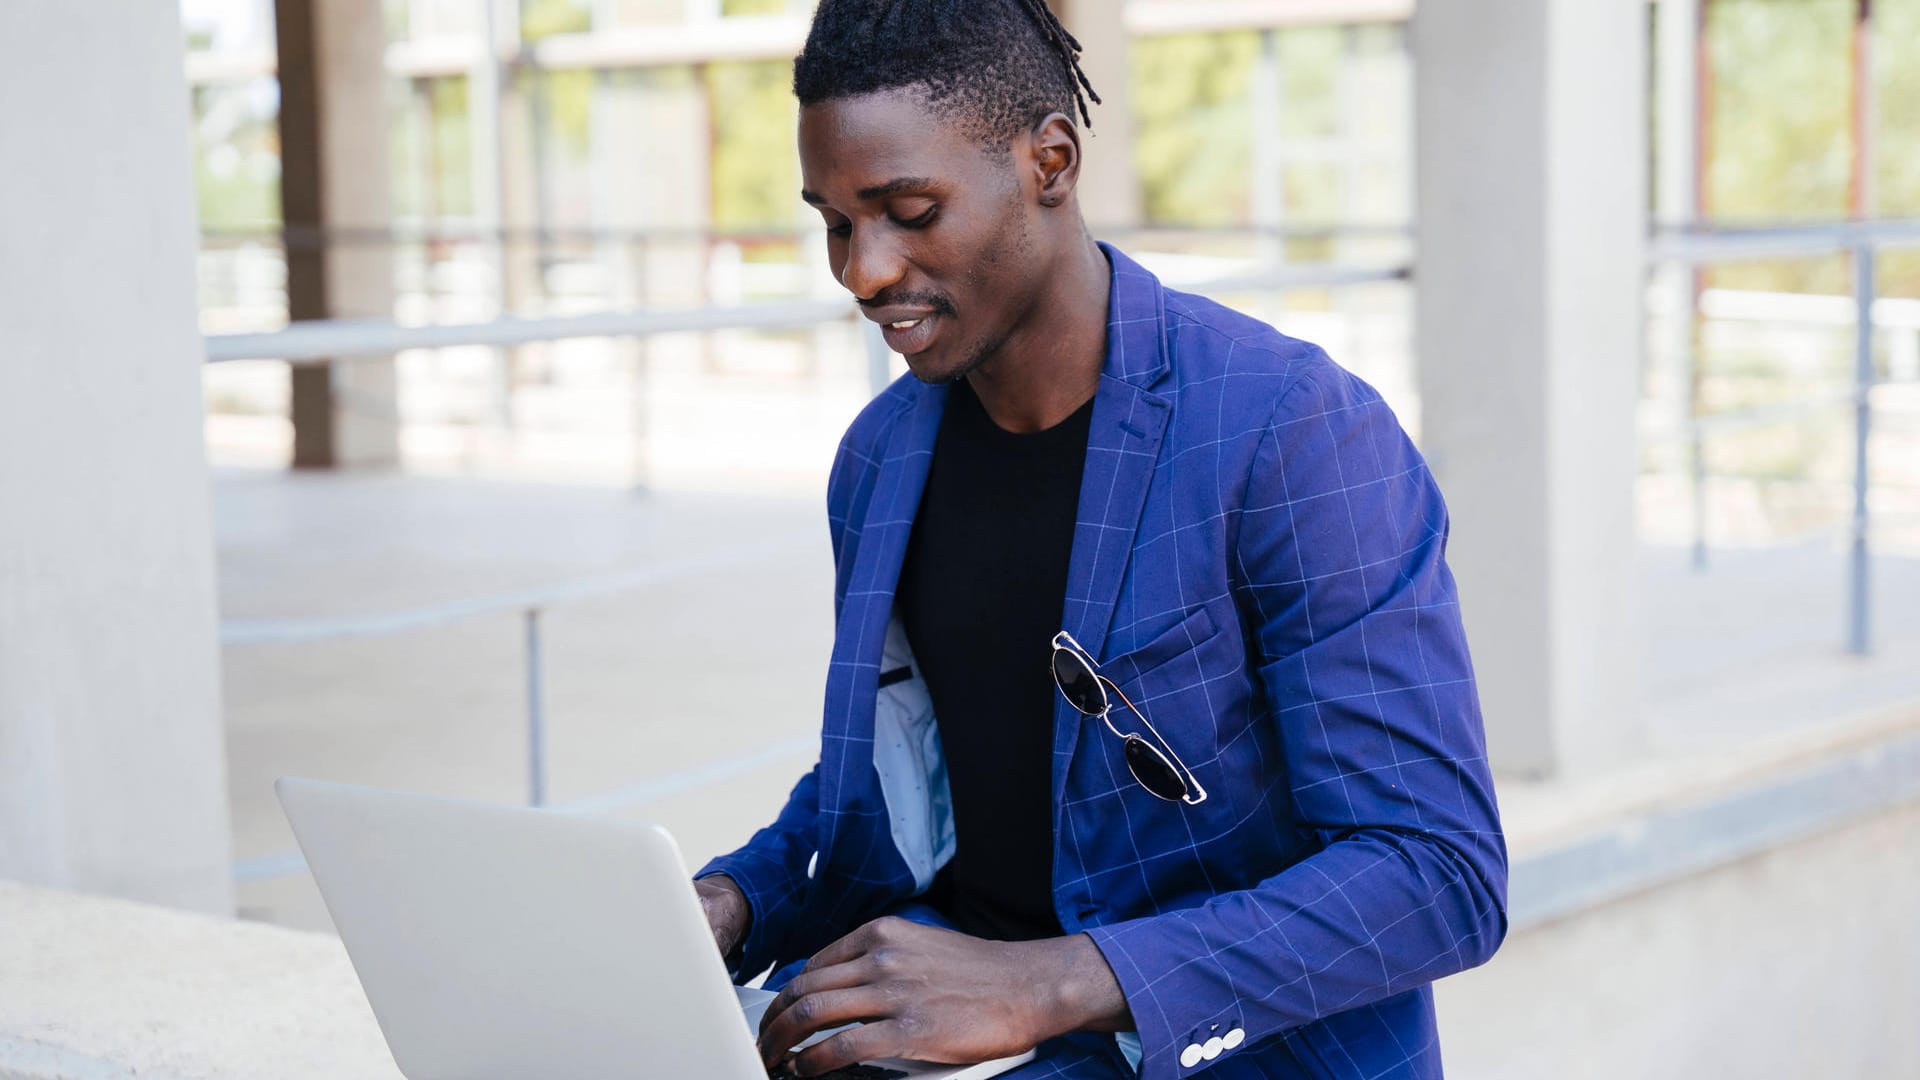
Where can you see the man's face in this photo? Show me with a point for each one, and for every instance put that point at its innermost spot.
(926, 227)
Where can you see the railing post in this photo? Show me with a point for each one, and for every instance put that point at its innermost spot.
(1859, 637)
(536, 714)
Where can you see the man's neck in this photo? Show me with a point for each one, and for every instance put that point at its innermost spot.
(1050, 366)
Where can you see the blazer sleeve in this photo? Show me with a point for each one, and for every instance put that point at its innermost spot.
(774, 867)
(773, 870)
(1364, 667)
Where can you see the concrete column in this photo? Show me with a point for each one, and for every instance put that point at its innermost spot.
(334, 183)
(669, 181)
(1109, 186)
(619, 172)
(494, 110)
(619, 176)
(1531, 153)
(486, 86)
(112, 768)
(520, 210)
(1676, 116)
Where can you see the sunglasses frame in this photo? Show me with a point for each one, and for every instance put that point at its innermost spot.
(1193, 794)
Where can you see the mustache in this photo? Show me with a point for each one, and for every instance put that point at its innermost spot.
(938, 303)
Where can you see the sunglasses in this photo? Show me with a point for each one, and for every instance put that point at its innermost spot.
(1157, 768)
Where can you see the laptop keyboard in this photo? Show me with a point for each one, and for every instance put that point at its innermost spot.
(845, 1072)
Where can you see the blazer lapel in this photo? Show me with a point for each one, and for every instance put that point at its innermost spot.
(1123, 446)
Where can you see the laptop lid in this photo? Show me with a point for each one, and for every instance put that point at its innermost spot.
(502, 942)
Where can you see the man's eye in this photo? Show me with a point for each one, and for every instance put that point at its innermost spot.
(842, 229)
(919, 222)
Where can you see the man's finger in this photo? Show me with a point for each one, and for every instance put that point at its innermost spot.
(838, 977)
(868, 938)
(817, 1012)
(881, 1039)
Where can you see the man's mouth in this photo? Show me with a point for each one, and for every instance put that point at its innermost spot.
(910, 336)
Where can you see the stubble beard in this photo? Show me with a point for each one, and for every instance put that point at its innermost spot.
(980, 354)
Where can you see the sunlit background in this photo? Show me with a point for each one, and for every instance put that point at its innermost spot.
(534, 510)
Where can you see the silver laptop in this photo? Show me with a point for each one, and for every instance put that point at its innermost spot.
(498, 943)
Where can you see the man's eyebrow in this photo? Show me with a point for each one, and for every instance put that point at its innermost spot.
(877, 191)
(891, 187)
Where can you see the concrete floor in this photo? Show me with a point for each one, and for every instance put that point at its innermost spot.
(691, 696)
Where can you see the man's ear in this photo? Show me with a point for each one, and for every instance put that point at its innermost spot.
(1056, 159)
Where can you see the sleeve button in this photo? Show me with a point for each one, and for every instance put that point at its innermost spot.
(1191, 1055)
(1212, 1048)
(1233, 1038)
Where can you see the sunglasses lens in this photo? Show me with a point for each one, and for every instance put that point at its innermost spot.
(1153, 770)
(1076, 680)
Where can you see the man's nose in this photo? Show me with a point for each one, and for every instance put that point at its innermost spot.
(873, 264)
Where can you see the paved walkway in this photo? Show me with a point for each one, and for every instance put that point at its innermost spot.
(693, 697)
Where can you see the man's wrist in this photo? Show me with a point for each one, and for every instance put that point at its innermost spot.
(739, 919)
(1077, 990)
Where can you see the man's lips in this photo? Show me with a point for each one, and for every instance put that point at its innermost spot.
(907, 330)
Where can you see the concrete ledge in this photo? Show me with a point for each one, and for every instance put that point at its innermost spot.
(1747, 911)
(1580, 844)
(1795, 961)
(98, 989)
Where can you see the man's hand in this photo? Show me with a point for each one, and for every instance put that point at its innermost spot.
(726, 908)
(935, 995)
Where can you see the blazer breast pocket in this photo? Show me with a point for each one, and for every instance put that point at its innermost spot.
(1182, 641)
(1180, 680)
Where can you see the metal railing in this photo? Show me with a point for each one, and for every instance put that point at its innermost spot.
(324, 339)
(1862, 241)
(529, 606)
(333, 338)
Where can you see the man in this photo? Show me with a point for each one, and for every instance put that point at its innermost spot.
(1151, 737)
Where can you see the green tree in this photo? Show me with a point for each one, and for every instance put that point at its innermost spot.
(756, 170)
(1779, 107)
(1191, 119)
(1781, 128)
(1897, 96)
(236, 155)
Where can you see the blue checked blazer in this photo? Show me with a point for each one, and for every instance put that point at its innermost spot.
(1259, 563)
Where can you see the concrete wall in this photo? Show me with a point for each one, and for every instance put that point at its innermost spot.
(112, 770)
(1803, 961)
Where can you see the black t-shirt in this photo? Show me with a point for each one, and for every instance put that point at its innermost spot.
(981, 595)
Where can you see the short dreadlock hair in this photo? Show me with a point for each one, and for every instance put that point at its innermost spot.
(996, 67)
